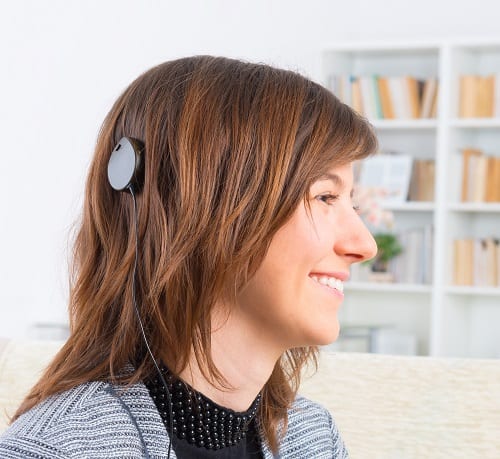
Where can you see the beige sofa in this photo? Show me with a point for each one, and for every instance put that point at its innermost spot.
(385, 406)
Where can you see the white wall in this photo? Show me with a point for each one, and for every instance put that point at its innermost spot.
(64, 62)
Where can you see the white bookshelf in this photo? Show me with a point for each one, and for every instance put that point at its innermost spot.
(448, 320)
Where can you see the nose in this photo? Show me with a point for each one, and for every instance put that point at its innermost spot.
(355, 242)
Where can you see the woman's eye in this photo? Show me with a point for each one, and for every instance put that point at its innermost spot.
(328, 198)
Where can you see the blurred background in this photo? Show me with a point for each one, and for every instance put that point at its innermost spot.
(63, 63)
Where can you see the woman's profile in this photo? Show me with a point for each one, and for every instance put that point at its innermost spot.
(229, 257)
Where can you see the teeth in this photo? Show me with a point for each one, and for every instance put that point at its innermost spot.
(324, 281)
(331, 282)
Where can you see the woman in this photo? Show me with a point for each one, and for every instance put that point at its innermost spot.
(245, 234)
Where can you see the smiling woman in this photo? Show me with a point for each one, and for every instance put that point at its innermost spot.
(293, 298)
(201, 291)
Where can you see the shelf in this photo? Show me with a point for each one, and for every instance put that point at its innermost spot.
(492, 207)
(404, 124)
(387, 287)
(388, 47)
(411, 206)
(475, 123)
(473, 291)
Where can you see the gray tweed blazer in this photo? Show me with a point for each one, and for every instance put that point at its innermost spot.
(95, 420)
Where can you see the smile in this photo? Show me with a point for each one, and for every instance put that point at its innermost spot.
(331, 282)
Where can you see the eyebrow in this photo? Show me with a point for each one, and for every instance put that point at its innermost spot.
(336, 180)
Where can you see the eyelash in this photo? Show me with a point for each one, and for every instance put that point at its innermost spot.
(329, 199)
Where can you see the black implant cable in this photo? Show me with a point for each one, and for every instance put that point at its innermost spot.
(130, 188)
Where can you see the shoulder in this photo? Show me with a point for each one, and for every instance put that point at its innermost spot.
(93, 418)
(311, 431)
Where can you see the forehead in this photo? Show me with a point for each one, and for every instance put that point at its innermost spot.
(339, 175)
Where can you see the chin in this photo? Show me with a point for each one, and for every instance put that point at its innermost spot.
(324, 336)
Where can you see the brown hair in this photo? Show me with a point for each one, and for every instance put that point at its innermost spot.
(231, 149)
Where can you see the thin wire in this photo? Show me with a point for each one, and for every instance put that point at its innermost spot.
(130, 188)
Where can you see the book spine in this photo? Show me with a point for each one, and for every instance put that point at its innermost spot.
(385, 98)
(479, 260)
(490, 262)
(479, 177)
(485, 97)
(496, 96)
(491, 180)
(377, 102)
(367, 97)
(398, 97)
(463, 273)
(468, 96)
(430, 87)
(497, 178)
(468, 170)
(357, 99)
(412, 97)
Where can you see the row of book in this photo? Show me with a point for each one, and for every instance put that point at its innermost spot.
(379, 97)
(414, 264)
(477, 262)
(402, 177)
(480, 176)
(479, 96)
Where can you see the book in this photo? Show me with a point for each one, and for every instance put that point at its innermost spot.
(368, 97)
(477, 96)
(422, 180)
(428, 96)
(398, 97)
(490, 253)
(414, 264)
(412, 94)
(376, 97)
(497, 178)
(385, 98)
(463, 256)
(478, 168)
(391, 172)
(468, 96)
(434, 110)
(468, 177)
(485, 96)
(479, 263)
(496, 95)
(492, 181)
(427, 254)
(357, 99)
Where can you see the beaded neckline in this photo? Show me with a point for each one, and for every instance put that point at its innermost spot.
(198, 419)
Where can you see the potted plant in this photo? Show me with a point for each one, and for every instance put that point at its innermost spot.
(388, 248)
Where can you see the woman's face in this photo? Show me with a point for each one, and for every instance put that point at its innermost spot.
(295, 295)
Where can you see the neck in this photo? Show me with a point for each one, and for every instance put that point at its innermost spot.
(243, 358)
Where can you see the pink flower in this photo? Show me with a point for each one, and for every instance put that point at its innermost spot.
(370, 206)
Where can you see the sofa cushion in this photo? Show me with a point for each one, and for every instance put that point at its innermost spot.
(405, 407)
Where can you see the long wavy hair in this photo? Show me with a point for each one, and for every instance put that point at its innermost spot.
(231, 149)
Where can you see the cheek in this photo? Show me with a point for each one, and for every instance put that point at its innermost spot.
(305, 235)
(294, 252)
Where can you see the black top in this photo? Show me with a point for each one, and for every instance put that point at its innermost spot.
(202, 428)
